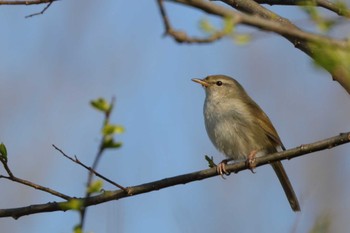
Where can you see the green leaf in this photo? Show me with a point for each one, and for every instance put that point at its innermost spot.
(331, 57)
(229, 25)
(3, 152)
(206, 26)
(77, 229)
(325, 25)
(242, 39)
(72, 204)
(95, 186)
(341, 5)
(210, 160)
(312, 11)
(322, 224)
(109, 143)
(101, 105)
(112, 129)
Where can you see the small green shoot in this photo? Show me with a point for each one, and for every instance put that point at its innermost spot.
(3, 152)
(210, 161)
(95, 187)
(101, 105)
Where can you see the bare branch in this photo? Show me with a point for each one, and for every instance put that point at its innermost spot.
(41, 12)
(181, 179)
(336, 8)
(33, 2)
(181, 36)
(259, 17)
(77, 161)
(30, 184)
(268, 23)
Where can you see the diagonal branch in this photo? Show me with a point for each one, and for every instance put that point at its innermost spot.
(90, 169)
(336, 8)
(262, 20)
(181, 36)
(42, 11)
(259, 17)
(13, 178)
(181, 179)
(33, 2)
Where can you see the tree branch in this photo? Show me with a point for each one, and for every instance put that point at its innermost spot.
(13, 178)
(33, 2)
(299, 36)
(181, 179)
(42, 11)
(336, 8)
(315, 45)
(90, 169)
(181, 36)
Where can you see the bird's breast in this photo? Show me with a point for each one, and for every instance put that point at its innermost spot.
(233, 134)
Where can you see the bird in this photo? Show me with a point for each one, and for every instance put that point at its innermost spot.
(240, 129)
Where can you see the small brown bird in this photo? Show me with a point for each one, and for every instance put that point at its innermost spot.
(239, 128)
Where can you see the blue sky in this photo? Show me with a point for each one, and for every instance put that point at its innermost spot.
(53, 65)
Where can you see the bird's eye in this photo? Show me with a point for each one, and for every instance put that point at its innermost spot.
(219, 83)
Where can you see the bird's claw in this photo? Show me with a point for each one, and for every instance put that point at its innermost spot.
(250, 162)
(221, 168)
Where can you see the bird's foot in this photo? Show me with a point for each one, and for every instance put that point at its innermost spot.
(221, 168)
(250, 162)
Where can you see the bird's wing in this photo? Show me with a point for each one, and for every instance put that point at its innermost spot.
(265, 123)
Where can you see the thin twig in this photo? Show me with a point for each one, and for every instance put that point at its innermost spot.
(181, 36)
(339, 9)
(336, 8)
(12, 177)
(77, 161)
(164, 16)
(33, 2)
(181, 179)
(41, 12)
(7, 168)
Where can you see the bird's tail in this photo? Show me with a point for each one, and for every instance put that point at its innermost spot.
(287, 186)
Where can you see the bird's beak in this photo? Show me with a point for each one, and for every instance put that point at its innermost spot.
(200, 81)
